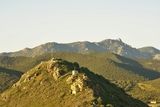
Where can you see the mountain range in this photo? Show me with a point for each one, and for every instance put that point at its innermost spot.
(108, 45)
(114, 71)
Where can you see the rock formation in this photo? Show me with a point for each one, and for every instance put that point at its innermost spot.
(157, 57)
(77, 83)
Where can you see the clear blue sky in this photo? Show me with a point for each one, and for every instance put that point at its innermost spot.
(28, 23)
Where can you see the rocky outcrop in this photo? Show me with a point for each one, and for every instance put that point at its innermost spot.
(76, 80)
(77, 83)
(156, 57)
(64, 84)
(55, 69)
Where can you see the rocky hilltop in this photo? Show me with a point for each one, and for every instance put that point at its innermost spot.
(59, 83)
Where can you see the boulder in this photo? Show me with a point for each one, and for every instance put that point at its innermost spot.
(78, 83)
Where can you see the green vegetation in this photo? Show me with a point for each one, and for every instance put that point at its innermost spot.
(8, 77)
(120, 70)
(149, 91)
(123, 72)
(149, 50)
(17, 63)
(151, 64)
(39, 88)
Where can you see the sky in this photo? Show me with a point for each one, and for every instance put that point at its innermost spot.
(28, 23)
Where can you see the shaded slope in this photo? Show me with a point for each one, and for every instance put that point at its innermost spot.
(151, 51)
(50, 84)
(17, 63)
(120, 70)
(8, 77)
(150, 91)
(107, 63)
(151, 64)
(137, 68)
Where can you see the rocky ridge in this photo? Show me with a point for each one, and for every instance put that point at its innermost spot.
(64, 84)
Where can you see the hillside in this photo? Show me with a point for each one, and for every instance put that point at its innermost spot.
(157, 57)
(120, 70)
(53, 83)
(17, 63)
(150, 91)
(151, 64)
(151, 51)
(108, 45)
(8, 77)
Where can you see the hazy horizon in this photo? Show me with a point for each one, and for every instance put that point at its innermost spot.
(31, 23)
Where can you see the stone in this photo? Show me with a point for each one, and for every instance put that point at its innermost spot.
(74, 72)
(78, 83)
(71, 79)
(24, 88)
(157, 57)
(85, 77)
(75, 88)
(56, 74)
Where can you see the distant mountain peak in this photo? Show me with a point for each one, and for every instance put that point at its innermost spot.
(106, 40)
(116, 46)
(26, 49)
